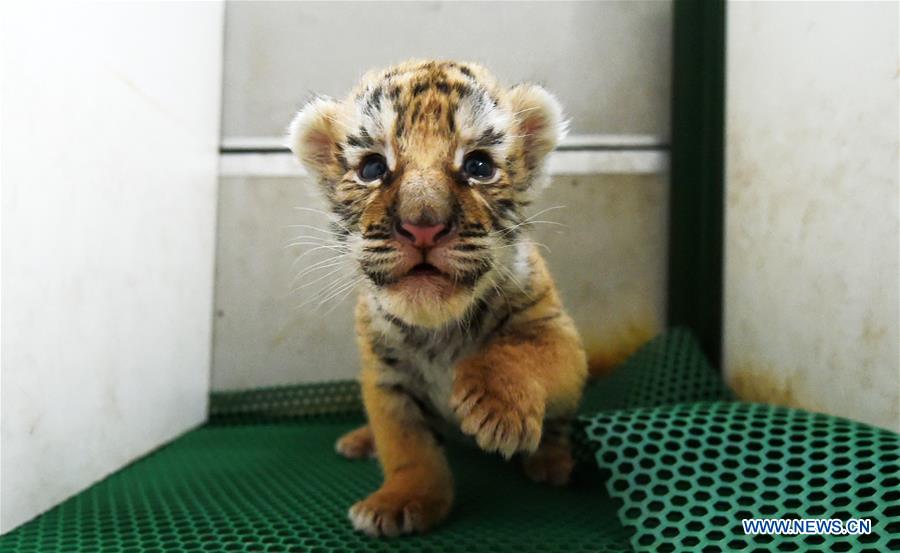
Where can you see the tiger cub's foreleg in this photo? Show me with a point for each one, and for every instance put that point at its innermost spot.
(534, 371)
(417, 492)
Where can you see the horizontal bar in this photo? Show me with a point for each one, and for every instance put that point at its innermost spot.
(617, 142)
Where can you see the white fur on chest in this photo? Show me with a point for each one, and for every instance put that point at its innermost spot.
(428, 372)
(437, 377)
(425, 368)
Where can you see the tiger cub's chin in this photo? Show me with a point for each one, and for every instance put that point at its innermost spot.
(425, 304)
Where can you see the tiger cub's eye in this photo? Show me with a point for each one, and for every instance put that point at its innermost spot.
(478, 165)
(372, 168)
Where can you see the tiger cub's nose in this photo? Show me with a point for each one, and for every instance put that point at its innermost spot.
(422, 236)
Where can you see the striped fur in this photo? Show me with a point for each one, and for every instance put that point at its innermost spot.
(485, 347)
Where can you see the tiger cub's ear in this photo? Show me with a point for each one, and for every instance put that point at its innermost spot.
(314, 138)
(539, 121)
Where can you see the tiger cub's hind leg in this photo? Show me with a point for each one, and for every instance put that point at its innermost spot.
(552, 463)
(357, 444)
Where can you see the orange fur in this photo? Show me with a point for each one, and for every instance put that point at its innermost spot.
(482, 341)
(418, 488)
(504, 392)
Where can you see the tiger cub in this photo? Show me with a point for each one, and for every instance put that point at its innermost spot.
(428, 167)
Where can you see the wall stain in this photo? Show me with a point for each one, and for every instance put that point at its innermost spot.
(764, 385)
(611, 346)
(150, 100)
(872, 333)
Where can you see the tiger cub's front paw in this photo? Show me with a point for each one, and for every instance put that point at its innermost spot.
(502, 413)
(389, 512)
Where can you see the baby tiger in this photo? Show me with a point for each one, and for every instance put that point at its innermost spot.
(428, 167)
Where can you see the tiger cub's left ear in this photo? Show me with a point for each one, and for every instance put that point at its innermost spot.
(314, 137)
(539, 121)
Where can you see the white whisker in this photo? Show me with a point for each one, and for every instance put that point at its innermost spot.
(313, 227)
(319, 244)
(343, 297)
(330, 216)
(352, 284)
(530, 220)
(309, 251)
(318, 267)
(318, 279)
(319, 239)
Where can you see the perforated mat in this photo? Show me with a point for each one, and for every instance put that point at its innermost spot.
(679, 466)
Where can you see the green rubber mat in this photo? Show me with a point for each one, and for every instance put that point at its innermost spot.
(670, 463)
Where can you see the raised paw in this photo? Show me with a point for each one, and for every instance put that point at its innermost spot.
(550, 464)
(390, 513)
(356, 444)
(503, 414)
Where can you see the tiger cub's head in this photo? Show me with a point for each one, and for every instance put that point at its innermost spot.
(428, 166)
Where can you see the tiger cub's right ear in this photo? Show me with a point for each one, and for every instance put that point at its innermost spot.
(314, 138)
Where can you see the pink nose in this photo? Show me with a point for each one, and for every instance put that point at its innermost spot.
(422, 236)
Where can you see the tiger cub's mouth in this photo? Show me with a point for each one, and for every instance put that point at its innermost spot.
(425, 281)
(424, 269)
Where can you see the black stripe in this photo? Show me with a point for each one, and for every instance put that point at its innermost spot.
(462, 89)
(363, 141)
(386, 353)
(375, 99)
(469, 247)
(400, 119)
(378, 278)
(378, 249)
(342, 160)
(424, 407)
(471, 277)
(396, 321)
(483, 305)
(517, 310)
(451, 118)
(490, 137)
(507, 204)
(543, 319)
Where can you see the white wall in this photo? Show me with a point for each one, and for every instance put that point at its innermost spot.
(110, 128)
(812, 275)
